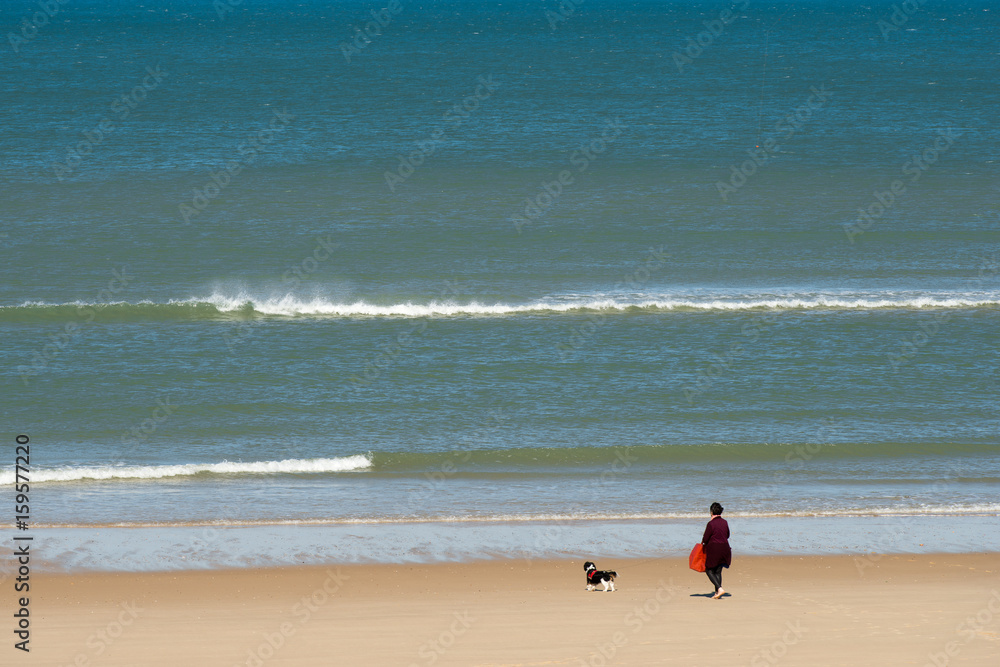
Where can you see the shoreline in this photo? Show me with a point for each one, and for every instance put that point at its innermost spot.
(822, 610)
(525, 563)
(117, 549)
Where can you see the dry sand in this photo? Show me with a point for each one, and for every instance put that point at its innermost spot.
(892, 610)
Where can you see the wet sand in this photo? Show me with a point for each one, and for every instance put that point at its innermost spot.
(813, 610)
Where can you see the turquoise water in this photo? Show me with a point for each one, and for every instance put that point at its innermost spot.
(502, 266)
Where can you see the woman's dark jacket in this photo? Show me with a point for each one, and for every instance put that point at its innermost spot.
(716, 543)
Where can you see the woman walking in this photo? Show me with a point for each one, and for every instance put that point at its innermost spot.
(717, 552)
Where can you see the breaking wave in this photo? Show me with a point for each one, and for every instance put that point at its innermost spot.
(288, 466)
(227, 307)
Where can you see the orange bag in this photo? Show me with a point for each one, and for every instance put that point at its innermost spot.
(696, 561)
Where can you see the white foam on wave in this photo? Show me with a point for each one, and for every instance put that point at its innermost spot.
(79, 304)
(954, 510)
(73, 473)
(291, 306)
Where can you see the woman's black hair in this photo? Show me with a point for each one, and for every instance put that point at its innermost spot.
(716, 509)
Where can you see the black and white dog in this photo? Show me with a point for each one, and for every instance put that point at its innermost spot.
(596, 577)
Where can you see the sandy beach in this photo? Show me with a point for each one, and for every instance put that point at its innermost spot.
(841, 610)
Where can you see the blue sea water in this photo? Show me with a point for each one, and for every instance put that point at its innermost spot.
(457, 279)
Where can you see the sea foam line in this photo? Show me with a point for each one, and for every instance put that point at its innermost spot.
(291, 306)
(294, 307)
(984, 509)
(72, 473)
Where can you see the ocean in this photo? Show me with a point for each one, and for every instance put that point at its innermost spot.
(312, 281)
